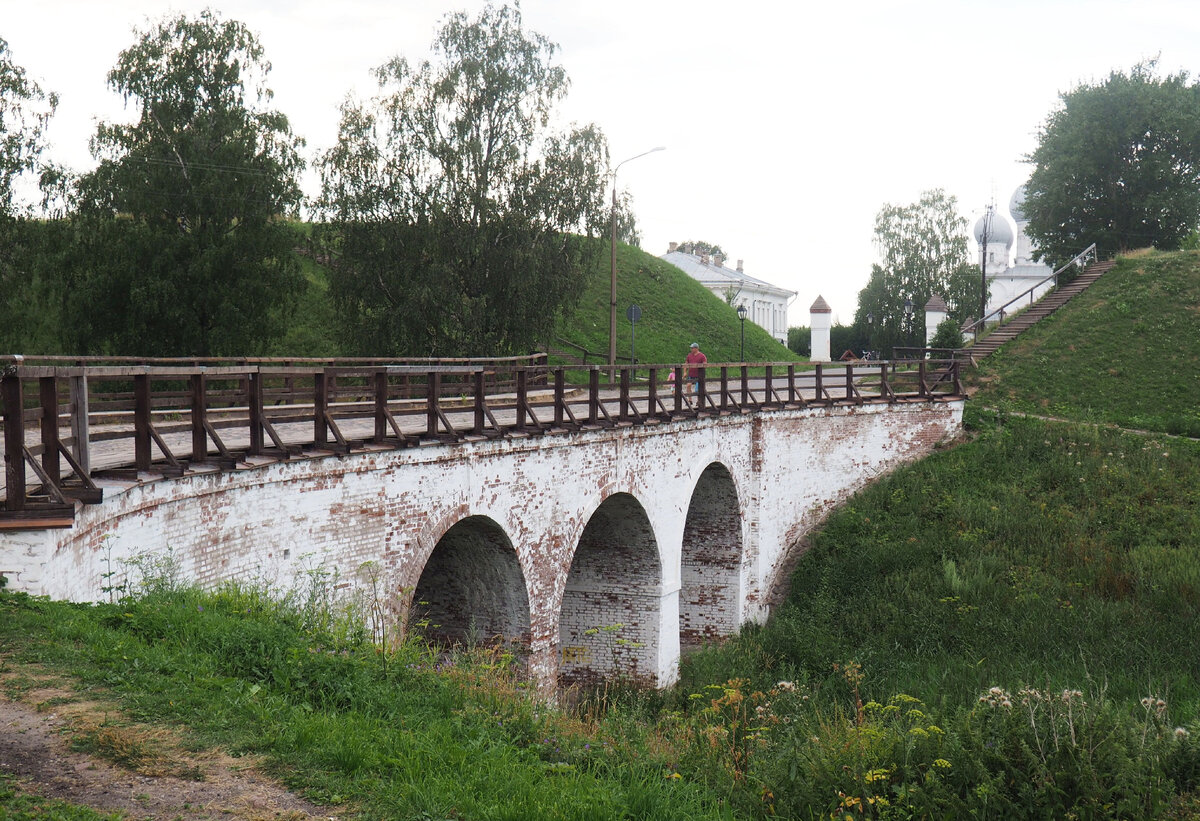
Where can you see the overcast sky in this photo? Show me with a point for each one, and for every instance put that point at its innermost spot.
(786, 127)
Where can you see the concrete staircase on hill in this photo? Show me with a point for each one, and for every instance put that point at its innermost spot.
(1036, 312)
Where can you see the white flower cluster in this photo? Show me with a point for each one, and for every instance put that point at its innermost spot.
(996, 697)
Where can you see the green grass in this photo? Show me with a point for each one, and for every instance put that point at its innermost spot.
(676, 311)
(1003, 630)
(407, 734)
(17, 806)
(1125, 351)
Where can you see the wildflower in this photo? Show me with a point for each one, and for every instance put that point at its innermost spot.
(941, 763)
(786, 686)
(1181, 733)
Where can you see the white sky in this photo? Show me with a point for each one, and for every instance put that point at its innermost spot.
(787, 124)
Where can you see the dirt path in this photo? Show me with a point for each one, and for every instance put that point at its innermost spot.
(161, 781)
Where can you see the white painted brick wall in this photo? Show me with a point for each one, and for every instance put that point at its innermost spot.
(784, 470)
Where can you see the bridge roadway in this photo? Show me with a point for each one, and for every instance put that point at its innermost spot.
(596, 549)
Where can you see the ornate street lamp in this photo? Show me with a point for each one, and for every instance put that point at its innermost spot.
(612, 299)
(741, 311)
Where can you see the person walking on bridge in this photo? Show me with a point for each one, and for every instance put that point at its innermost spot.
(695, 357)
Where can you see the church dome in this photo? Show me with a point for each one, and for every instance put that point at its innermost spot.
(1016, 205)
(1000, 232)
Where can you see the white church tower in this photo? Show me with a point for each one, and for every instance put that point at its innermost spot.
(1006, 280)
(993, 231)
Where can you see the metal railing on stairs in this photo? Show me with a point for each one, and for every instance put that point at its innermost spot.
(1081, 261)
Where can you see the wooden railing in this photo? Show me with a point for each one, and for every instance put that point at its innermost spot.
(179, 414)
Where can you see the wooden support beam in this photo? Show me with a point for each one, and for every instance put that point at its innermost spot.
(14, 442)
(48, 390)
(80, 433)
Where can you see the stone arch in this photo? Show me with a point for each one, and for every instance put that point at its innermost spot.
(612, 602)
(472, 588)
(711, 560)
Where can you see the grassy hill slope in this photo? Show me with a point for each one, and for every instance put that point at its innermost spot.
(676, 311)
(1125, 351)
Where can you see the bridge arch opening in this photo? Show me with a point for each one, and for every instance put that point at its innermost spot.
(611, 609)
(710, 573)
(472, 589)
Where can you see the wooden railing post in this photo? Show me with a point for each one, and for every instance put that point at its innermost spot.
(141, 421)
(923, 389)
(433, 390)
(701, 388)
(51, 463)
(652, 394)
(745, 386)
(559, 397)
(679, 378)
(380, 381)
(320, 408)
(14, 442)
(594, 395)
(819, 378)
(478, 387)
(623, 406)
(199, 409)
(254, 400)
(791, 383)
(80, 432)
(849, 381)
(522, 397)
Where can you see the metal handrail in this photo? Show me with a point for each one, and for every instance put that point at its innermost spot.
(1079, 259)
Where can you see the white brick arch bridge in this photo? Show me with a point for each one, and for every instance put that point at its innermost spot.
(598, 548)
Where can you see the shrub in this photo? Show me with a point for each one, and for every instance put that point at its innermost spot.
(947, 335)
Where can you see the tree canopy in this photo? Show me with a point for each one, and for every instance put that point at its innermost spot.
(923, 251)
(183, 240)
(453, 211)
(1117, 164)
(25, 111)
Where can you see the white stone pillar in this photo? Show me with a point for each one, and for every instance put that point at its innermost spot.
(667, 661)
(936, 312)
(820, 321)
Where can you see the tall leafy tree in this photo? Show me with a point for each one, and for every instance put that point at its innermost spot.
(1117, 164)
(453, 209)
(31, 295)
(923, 251)
(183, 237)
(25, 112)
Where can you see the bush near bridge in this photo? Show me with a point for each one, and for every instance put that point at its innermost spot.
(1002, 631)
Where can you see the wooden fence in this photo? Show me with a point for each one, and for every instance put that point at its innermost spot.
(57, 414)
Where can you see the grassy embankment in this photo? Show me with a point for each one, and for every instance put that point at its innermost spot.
(1004, 630)
(676, 311)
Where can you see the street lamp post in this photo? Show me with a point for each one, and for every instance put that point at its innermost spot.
(612, 296)
(908, 315)
(741, 311)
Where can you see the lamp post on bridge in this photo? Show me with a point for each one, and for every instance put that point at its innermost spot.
(612, 297)
(908, 315)
(741, 311)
